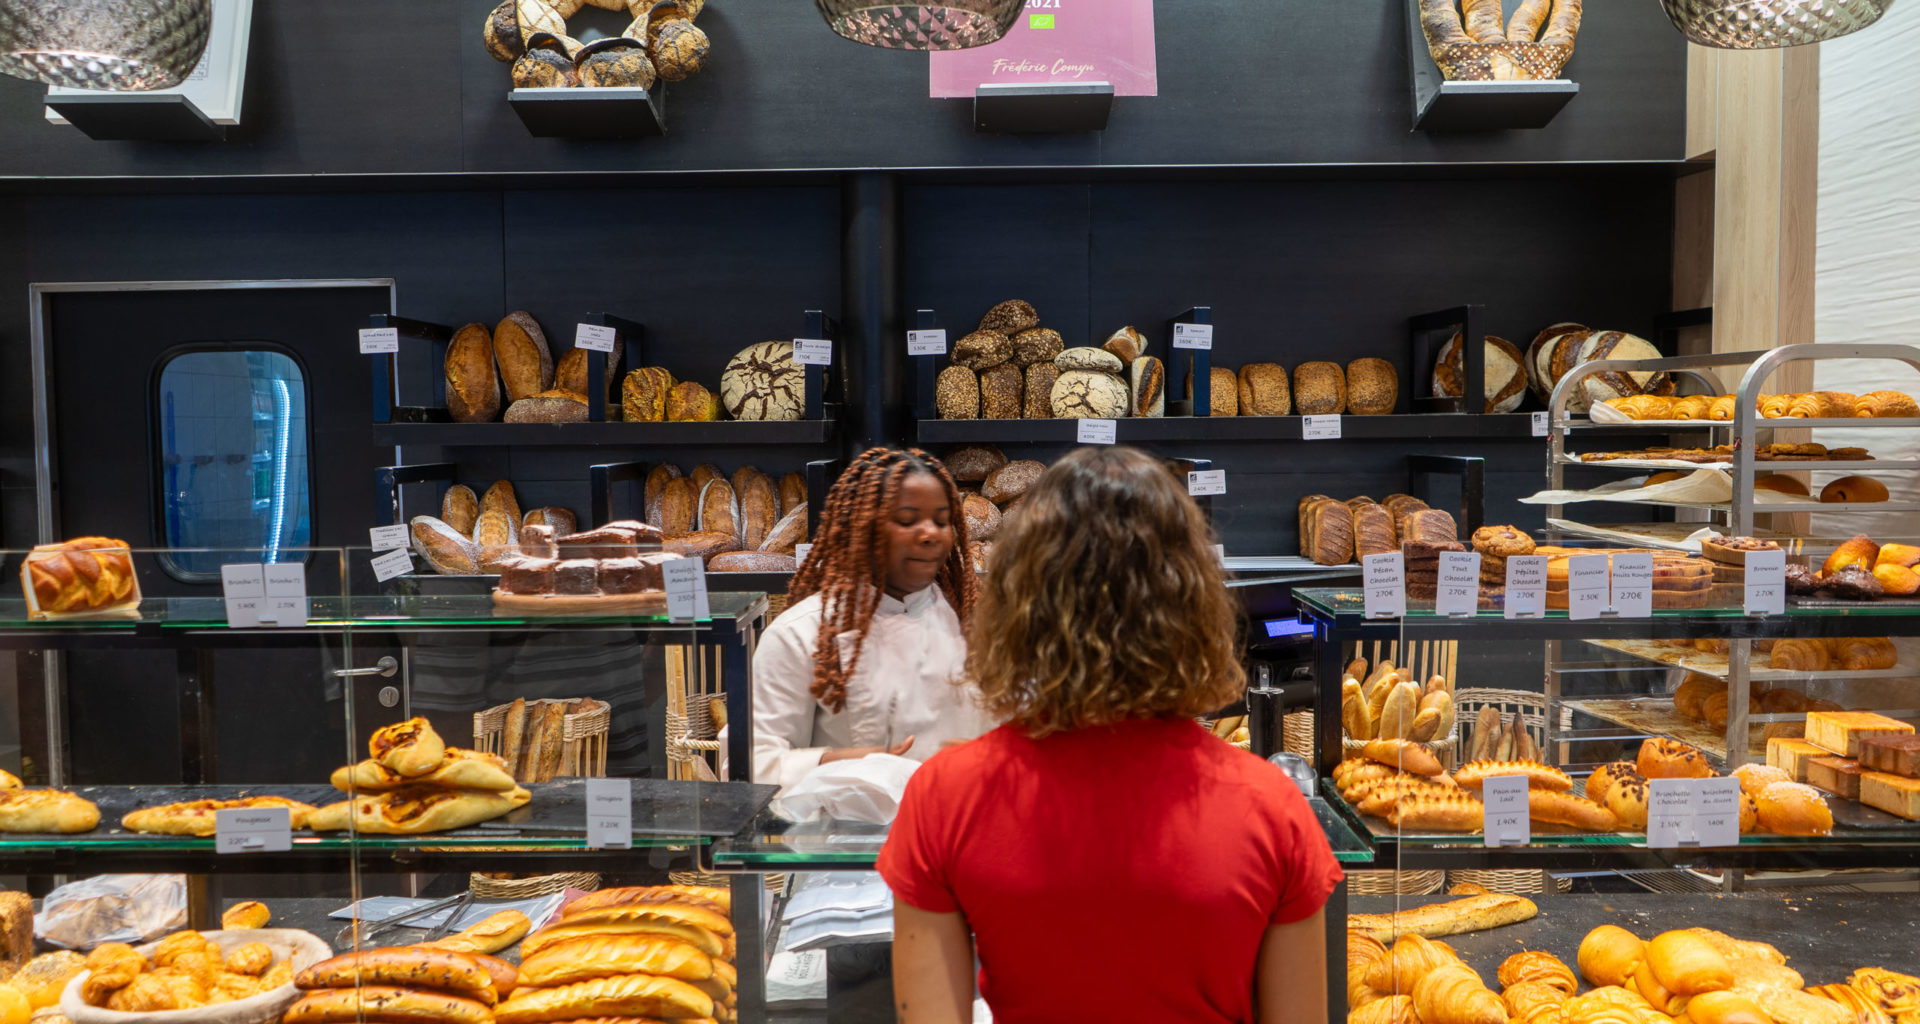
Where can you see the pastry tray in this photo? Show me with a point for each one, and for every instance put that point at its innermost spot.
(659, 808)
(1715, 665)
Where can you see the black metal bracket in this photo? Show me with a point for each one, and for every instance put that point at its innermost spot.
(386, 372)
(387, 481)
(602, 508)
(1189, 370)
(1043, 107)
(926, 371)
(590, 112)
(1668, 326)
(817, 324)
(138, 117)
(1472, 471)
(820, 478)
(1443, 106)
(1427, 335)
(605, 370)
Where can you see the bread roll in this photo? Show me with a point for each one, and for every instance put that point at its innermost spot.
(1264, 390)
(246, 914)
(473, 388)
(1319, 389)
(520, 350)
(1686, 964)
(1662, 758)
(1608, 953)
(1794, 809)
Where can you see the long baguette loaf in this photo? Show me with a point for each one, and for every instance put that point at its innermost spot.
(1473, 914)
(385, 1003)
(403, 966)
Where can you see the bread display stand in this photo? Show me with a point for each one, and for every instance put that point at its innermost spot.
(592, 112)
(1012, 108)
(200, 109)
(1443, 106)
(1427, 334)
(303, 948)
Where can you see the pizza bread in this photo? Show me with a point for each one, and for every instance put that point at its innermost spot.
(417, 809)
(196, 817)
(46, 810)
(461, 769)
(409, 748)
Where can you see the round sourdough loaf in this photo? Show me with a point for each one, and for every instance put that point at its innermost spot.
(1085, 394)
(762, 382)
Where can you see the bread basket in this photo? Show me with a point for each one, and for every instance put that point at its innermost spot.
(583, 736)
(1500, 62)
(304, 948)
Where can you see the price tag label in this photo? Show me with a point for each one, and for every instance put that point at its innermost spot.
(1384, 576)
(244, 587)
(927, 343)
(1459, 592)
(376, 341)
(1193, 336)
(1587, 587)
(800, 553)
(1526, 596)
(594, 338)
(1633, 585)
(1716, 813)
(686, 585)
(252, 830)
(1670, 813)
(1096, 432)
(392, 564)
(813, 351)
(1320, 428)
(1508, 821)
(388, 538)
(1541, 425)
(1204, 482)
(1766, 582)
(286, 595)
(610, 814)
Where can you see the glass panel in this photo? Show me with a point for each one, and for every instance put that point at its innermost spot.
(233, 455)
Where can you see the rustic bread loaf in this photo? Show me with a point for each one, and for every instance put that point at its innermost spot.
(643, 395)
(973, 463)
(1264, 390)
(1225, 385)
(1001, 392)
(459, 508)
(957, 394)
(572, 372)
(1084, 394)
(691, 402)
(447, 551)
(554, 406)
(520, 350)
(1126, 344)
(1010, 317)
(1012, 481)
(1041, 378)
(473, 388)
(1036, 345)
(1319, 389)
(1149, 379)
(752, 561)
(1373, 388)
(679, 506)
(793, 492)
(762, 382)
(982, 350)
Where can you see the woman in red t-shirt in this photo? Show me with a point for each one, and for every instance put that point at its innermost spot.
(1105, 857)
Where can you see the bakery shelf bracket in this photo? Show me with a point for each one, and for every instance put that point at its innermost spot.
(1427, 334)
(604, 369)
(386, 371)
(200, 109)
(1190, 370)
(817, 324)
(1043, 108)
(388, 480)
(592, 112)
(1443, 106)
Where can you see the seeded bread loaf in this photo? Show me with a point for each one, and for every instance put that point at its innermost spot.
(957, 393)
(1041, 377)
(1373, 388)
(1319, 389)
(691, 402)
(1001, 390)
(1264, 390)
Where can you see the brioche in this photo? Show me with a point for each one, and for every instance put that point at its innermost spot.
(1725, 1008)
(1662, 758)
(601, 956)
(1794, 809)
(1608, 953)
(1537, 966)
(1687, 964)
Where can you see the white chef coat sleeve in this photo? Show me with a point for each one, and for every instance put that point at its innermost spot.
(783, 705)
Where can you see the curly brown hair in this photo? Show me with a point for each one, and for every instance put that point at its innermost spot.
(1105, 602)
(848, 563)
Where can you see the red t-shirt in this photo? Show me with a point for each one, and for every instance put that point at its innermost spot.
(1120, 873)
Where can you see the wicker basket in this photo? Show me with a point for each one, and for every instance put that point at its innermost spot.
(1296, 733)
(1389, 883)
(1515, 882)
(527, 888)
(1530, 706)
(1502, 61)
(583, 736)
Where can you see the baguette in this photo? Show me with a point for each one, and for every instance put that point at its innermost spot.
(513, 737)
(1398, 711)
(1404, 755)
(403, 966)
(1439, 920)
(1486, 732)
(489, 935)
(1353, 711)
(386, 1003)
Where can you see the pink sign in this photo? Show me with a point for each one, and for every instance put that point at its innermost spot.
(1059, 41)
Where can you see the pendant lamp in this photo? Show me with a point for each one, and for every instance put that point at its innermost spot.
(1769, 24)
(933, 25)
(117, 45)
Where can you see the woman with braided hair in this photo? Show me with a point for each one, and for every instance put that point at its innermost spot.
(866, 657)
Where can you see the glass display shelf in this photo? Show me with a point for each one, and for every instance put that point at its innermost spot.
(1345, 609)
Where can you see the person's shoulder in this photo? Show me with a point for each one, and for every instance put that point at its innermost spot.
(802, 616)
(1256, 772)
(967, 760)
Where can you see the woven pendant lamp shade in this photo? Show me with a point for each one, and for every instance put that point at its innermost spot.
(934, 25)
(118, 45)
(1770, 24)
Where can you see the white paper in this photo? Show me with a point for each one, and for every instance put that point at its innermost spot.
(1670, 812)
(813, 351)
(1541, 424)
(1588, 592)
(1320, 428)
(1526, 596)
(610, 814)
(927, 343)
(252, 830)
(1459, 590)
(686, 586)
(1766, 582)
(1096, 432)
(1384, 580)
(800, 553)
(387, 538)
(392, 564)
(244, 587)
(1204, 482)
(594, 338)
(1193, 336)
(379, 340)
(1716, 814)
(1633, 584)
(286, 586)
(1508, 820)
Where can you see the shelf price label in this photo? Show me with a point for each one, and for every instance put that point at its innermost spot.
(1766, 582)
(286, 585)
(927, 343)
(1193, 336)
(1204, 482)
(1096, 432)
(375, 341)
(813, 351)
(686, 586)
(1526, 596)
(390, 538)
(1508, 821)
(610, 814)
(252, 830)
(1541, 425)
(1587, 587)
(1383, 577)
(800, 553)
(1633, 585)
(244, 588)
(1716, 813)
(1459, 591)
(392, 564)
(595, 338)
(1670, 813)
(1320, 428)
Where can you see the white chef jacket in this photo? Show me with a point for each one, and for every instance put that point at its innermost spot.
(902, 687)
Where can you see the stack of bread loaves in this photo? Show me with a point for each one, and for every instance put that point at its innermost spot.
(991, 489)
(475, 535)
(761, 382)
(1335, 532)
(658, 952)
(744, 523)
(399, 983)
(414, 783)
(1013, 368)
(513, 355)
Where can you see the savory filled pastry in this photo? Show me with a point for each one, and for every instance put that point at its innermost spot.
(408, 748)
(46, 810)
(415, 810)
(197, 817)
(459, 769)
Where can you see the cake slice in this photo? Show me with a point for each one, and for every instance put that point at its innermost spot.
(1791, 755)
(1840, 732)
(1836, 775)
(1893, 794)
(1895, 755)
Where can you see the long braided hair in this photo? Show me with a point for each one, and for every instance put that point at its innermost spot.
(848, 564)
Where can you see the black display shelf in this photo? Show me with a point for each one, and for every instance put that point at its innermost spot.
(1396, 427)
(733, 433)
(1443, 106)
(1042, 108)
(138, 117)
(590, 112)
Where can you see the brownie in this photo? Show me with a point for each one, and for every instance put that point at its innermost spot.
(1895, 755)
(1423, 591)
(629, 575)
(577, 576)
(527, 575)
(644, 533)
(605, 542)
(1852, 583)
(537, 541)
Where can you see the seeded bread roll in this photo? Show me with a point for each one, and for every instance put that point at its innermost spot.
(1010, 317)
(1038, 404)
(1149, 380)
(473, 388)
(1011, 481)
(1001, 390)
(1373, 388)
(1264, 390)
(691, 402)
(459, 508)
(1036, 345)
(982, 350)
(1319, 389)
(957, 394)
(1225, 400)
(520, 350)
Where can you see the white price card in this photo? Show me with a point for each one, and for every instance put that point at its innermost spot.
(1526, 596)
(244, 587)
(286, 584)
(392, 564)
(1766, 582)
(686, 585)
(1193, 336)
(1508, 820)
(1541, 425)
(1204, 482)
(376, 341)
(1716, 811)
(594, 338)
(1588, 593)
(252, 830)
(388, 538)
(813, 351)
(1459, 591)
(1633, 584)
(1096, 432)
(610, 814)
(1383, 577)
(800, 553)
(927, 343)
(1320, 428)
(1670, 813)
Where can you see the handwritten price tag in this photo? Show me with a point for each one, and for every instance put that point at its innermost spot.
(392, 564)
(252, 830)
(286, 586)
(1508, 821)
(376, 341)
(1670, 813)
(1459, 591)
(686, 586)
(1587, 586)
(1633, 585)
(1204, 482)
(244, 588)
(388, 538)
(1766, 582)
(1193, 336)
(927, 343)
(1383, 577)
(610, 814)
(1526, 587)
(594, 338)
(1716, 814)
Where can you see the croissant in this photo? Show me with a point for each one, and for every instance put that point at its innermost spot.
(1722, 408)
(1687, 964)
(1857, 653)
(1610, 1005)
(1643, 407)
(1608, 953)
(1692, 407)
(1796, 654)
(1820, 405)
(1386, 1010)
(1775, 406)
(1453, 994)
(1529, 1000)
(1362, 950)
(1410, 959)
(1789, 1007)
(1537, 966)
(1886, 403)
